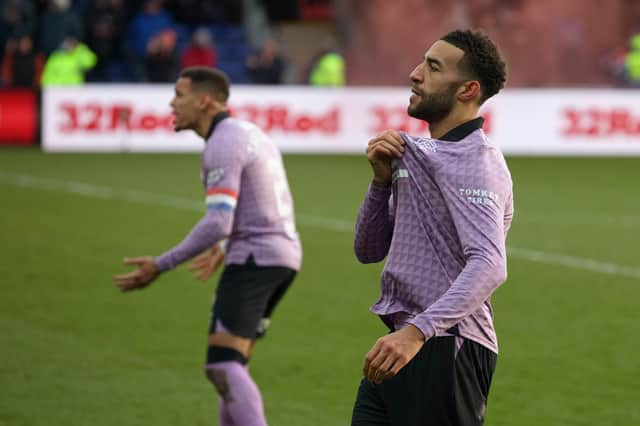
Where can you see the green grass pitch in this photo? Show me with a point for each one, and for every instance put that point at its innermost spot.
(74, 351)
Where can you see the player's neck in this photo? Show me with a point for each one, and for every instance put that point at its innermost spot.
(202, 129)
(204, 125)
(450, 122)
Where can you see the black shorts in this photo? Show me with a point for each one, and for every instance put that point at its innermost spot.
(246, 297)
(438, 387)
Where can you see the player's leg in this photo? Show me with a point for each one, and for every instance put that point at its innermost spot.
(397, 401)
(284, 278)
(242, 297)
(446, 383)
(231, 335)
(369, 408)
(474, 369)
(420, 394)
(226, 368)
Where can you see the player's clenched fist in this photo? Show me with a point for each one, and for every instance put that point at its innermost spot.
(381, 151)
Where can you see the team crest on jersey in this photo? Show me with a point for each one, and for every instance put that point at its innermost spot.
(214, 176)
(426, 144)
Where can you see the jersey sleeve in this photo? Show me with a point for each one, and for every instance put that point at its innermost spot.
(374, 226)
(223, 161)
(479, 203)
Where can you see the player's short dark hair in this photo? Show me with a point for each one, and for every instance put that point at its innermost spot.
(481, 60)
(211, 80)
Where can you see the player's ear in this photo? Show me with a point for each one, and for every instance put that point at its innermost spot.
(469, 91)
(205, 101)
(218, 104)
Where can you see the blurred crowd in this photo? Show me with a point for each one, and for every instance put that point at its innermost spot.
(67, 42)
(547, 43)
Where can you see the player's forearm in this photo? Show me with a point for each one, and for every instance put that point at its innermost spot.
(473, 286)
(212, 228)
(374, 228)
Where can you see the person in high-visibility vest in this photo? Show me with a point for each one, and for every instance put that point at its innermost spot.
(328, 70)
(632, 61)
(67, 65)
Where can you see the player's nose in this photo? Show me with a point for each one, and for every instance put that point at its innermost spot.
(416, 75)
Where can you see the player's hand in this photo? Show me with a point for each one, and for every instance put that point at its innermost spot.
(144, 275)
(381, 151)
(207, 263)
(391, 353)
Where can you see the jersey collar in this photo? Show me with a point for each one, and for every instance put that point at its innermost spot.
(463, 130)
(216, 120)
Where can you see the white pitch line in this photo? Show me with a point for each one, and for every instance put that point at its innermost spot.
(574, 262)
(149, 198)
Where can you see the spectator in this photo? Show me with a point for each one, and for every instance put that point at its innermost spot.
(266, 66)
(16, 16)
(200, 52)
(632, 62)
(67, 65)
(613, 65)
(22, 66)
(327, 69)
(106, 21)
(57, 23)
(151, 42)
(160, 61)
(146, 25)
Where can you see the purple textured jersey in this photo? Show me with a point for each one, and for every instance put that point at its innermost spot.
(247, 199)
(442, 225)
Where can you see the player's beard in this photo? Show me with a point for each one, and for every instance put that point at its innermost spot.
(434, 107)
